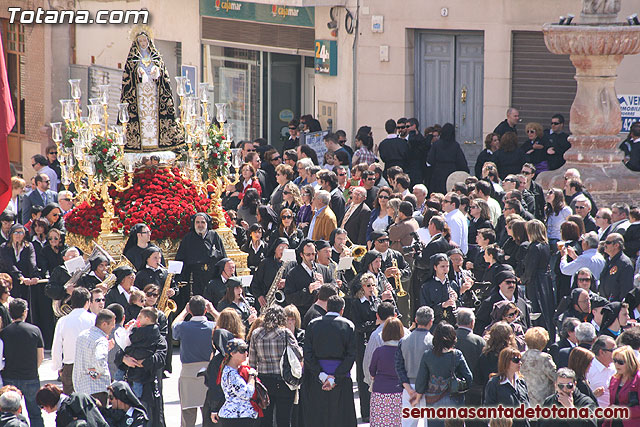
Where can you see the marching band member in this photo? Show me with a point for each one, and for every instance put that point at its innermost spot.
(304, 280)
(437, 292)
(267, 270)
(381, 244)
(217, 287)
(98, 273)
(121, 290)
(55, 289)
(234, 298)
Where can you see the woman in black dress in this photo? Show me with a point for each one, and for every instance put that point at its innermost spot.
(255, 247)
(537, 278)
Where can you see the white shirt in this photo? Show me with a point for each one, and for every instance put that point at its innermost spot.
(599, 376)
(124, 292)
(63, 349)
(494, 210)
(459, 229)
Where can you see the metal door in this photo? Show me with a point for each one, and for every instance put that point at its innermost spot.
(449, 85)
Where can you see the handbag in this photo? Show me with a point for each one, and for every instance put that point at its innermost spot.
(290, 368)
(261, 395)
(457, 386)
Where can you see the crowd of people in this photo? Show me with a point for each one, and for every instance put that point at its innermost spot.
(483, 292)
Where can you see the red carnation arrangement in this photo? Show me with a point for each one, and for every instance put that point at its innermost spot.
(85, 219)
(158, 197)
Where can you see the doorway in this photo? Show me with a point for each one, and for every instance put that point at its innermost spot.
(449, 70)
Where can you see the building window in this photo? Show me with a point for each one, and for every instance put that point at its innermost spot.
(13, 41)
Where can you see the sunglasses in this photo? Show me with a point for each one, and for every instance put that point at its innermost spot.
(292, 128)
(287, 216)
(382, 240)
(368, 286)
(581, 207)
(531, 131)
(309, 254)
(98, 300)
(242, 351)
(371, 179)
(618, 362)
(608, 242)
(383, 197)
(555, 123)
(516, 359)
(251, 150)
(568, 386)
(54, 152)
(510, 282)
(152, 294)
(275, 158)
(342, 174)
(584, 279)
(286, 193)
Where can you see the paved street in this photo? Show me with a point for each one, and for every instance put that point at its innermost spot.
(170, 392)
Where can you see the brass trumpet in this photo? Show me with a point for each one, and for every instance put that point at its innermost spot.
(399, 289)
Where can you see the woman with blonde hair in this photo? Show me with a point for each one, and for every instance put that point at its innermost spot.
(294, 323)
(538, 368)
(536, 276)
(507, 387)
(625, 386)
(291, 198)
(393, 209)
(535, 148)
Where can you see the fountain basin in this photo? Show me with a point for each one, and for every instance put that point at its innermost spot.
(612, 39)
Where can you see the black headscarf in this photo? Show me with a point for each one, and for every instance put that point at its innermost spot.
(274, 244)
(219, 267)
(448, 133)
(96, 261)
(206, 217)
(133, 236)
(122, 272)
(220, 339)
(147, 253)
(122, 392)
(610, 313)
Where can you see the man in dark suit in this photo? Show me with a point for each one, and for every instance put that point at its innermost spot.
(567, 338)
(329, 355)
(40, 196)
(586, 335)
(306, 278)
(369, 181)
(616, 279)
(507, 290)
(471, 346)
(393, 149)
(357, 216)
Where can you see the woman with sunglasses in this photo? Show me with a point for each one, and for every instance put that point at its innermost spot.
(625, 386)
(238, 383)
(291, 198)
(305, 213)
(508, 312)
(38, 234)
(152, 293)
(50, 256)
(53, 213)
(380, 219)
(438, 366)
(18, 258)
(287, 229)
(507, 387)
(537, 367)
(535, 148)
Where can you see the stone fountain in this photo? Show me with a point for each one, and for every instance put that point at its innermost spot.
(596, 47)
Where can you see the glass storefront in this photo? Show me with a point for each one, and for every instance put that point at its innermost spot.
(264, 90)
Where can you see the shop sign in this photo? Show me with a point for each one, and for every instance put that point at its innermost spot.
(629, 110)
(326, 57)
(269, 14)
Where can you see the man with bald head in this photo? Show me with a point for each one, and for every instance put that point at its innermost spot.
(508, 124)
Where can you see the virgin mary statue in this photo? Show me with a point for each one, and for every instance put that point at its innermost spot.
(145, 87)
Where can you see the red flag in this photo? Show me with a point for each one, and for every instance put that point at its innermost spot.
(7, 120)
